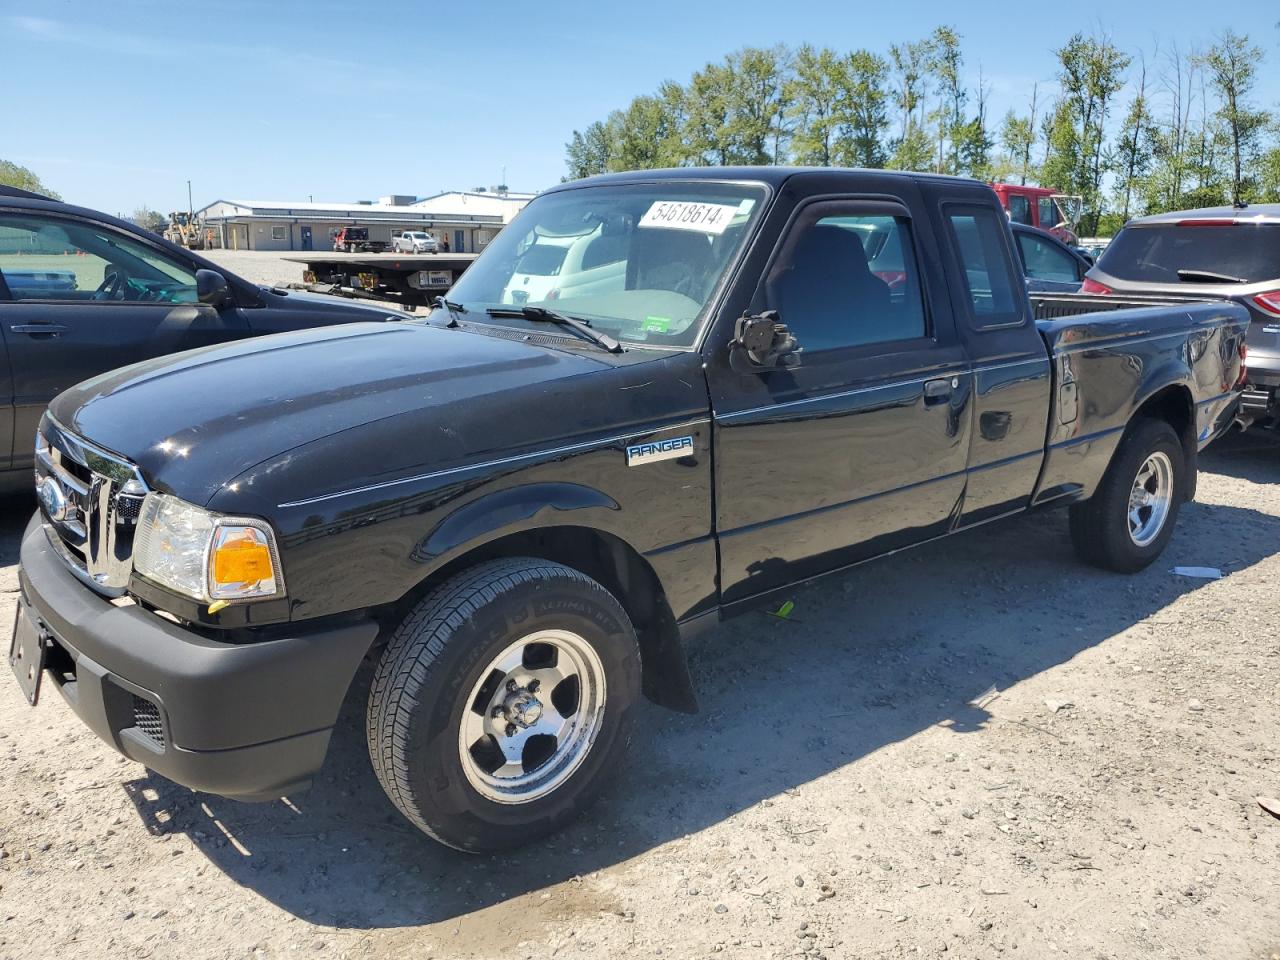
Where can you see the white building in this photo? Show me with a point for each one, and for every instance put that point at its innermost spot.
(476, 203)
(466, 221)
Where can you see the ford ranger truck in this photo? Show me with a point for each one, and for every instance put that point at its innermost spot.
(521, 512)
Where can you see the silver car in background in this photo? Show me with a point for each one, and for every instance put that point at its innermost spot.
(1227, 252)
(414, 241)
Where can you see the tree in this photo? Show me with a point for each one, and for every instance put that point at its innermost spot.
(706, 128)
(1269, 176)
(1018, 137)
(813, 94)
(589, 152)
(1091, 73)
(862, 109)
(14, 175)
(648, 134)
(149, 219)
(1232, 65)
(753, 102)
(909, 65)
(1133, 150)
(1167, 183)
(975, 141)
(946, 60)
(1206, 147)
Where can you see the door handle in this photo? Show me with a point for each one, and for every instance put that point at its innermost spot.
(39, 329)
(936, 390)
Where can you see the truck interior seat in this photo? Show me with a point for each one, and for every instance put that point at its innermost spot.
(671, 260)
(828, 295)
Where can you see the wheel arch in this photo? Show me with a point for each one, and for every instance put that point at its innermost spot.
(1175, 405)
(603, 556)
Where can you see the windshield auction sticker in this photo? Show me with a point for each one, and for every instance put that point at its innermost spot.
(684, 215)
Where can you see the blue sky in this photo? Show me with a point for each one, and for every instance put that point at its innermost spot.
(118, 103)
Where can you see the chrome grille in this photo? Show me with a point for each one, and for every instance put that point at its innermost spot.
(90, 500)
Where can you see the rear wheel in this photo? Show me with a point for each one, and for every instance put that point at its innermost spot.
(1129, 519)
(503, 703)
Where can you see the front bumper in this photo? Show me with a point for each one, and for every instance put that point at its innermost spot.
(249, 721)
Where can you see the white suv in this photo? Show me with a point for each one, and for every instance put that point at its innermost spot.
(414, 241)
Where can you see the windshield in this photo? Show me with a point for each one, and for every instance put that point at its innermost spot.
(638, 261)
(1155, 254)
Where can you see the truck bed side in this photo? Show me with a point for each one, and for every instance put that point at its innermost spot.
(1180, 360)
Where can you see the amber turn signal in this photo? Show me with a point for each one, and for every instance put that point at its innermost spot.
(242, 563)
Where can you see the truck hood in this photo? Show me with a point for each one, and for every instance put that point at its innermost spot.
(194, 421)
(328, 304)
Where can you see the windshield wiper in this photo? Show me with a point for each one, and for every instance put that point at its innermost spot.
(582, 328)
(451, 308)
(1208, 276)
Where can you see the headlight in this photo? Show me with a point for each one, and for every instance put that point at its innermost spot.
(206, 556)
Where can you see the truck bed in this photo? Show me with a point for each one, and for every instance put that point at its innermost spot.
(1051, 306)
(1112, 355)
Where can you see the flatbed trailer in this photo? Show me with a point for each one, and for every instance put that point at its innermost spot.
(411, 280)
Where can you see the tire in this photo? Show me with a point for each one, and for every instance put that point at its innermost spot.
(440, 707)
(1102, 530)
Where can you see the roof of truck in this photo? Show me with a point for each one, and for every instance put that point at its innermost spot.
(774, 176)
(1249, 213)
(18, 192)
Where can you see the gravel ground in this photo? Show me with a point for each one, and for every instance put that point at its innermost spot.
(260, 266)
(976, 749)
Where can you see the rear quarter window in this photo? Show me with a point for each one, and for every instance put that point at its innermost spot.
(1154, 253)
(985, 262)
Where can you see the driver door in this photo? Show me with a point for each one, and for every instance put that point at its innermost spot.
(78, 298)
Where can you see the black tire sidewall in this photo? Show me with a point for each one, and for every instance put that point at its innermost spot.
(453, 808)
(1146, 438)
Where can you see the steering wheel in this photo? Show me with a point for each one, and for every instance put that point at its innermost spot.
(112, 285)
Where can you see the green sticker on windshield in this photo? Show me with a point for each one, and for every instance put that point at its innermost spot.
(656, 324)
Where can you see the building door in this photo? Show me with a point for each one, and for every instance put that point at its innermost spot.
(306, 238)
(459, 241)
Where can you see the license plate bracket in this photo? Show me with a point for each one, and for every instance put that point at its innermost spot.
(26, 655)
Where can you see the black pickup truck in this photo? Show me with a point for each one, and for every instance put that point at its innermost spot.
(751, 378)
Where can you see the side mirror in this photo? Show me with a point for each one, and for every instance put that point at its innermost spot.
(212, 289)
(761, 342)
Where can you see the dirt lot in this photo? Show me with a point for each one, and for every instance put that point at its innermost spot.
(852, 788)
(260, 266)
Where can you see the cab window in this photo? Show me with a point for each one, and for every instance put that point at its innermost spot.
(1020, 209)
(848, 277)
(50, 259)
(1049, 216)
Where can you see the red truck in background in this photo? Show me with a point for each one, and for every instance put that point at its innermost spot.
(356, 240)
(1041, 207)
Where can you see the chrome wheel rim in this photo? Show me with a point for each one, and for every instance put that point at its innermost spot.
(1150, 498)
(532, 717)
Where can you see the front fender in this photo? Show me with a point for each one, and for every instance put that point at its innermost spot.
(509, 511)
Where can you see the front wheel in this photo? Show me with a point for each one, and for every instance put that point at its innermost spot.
(1129, 519)
(503, 703)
